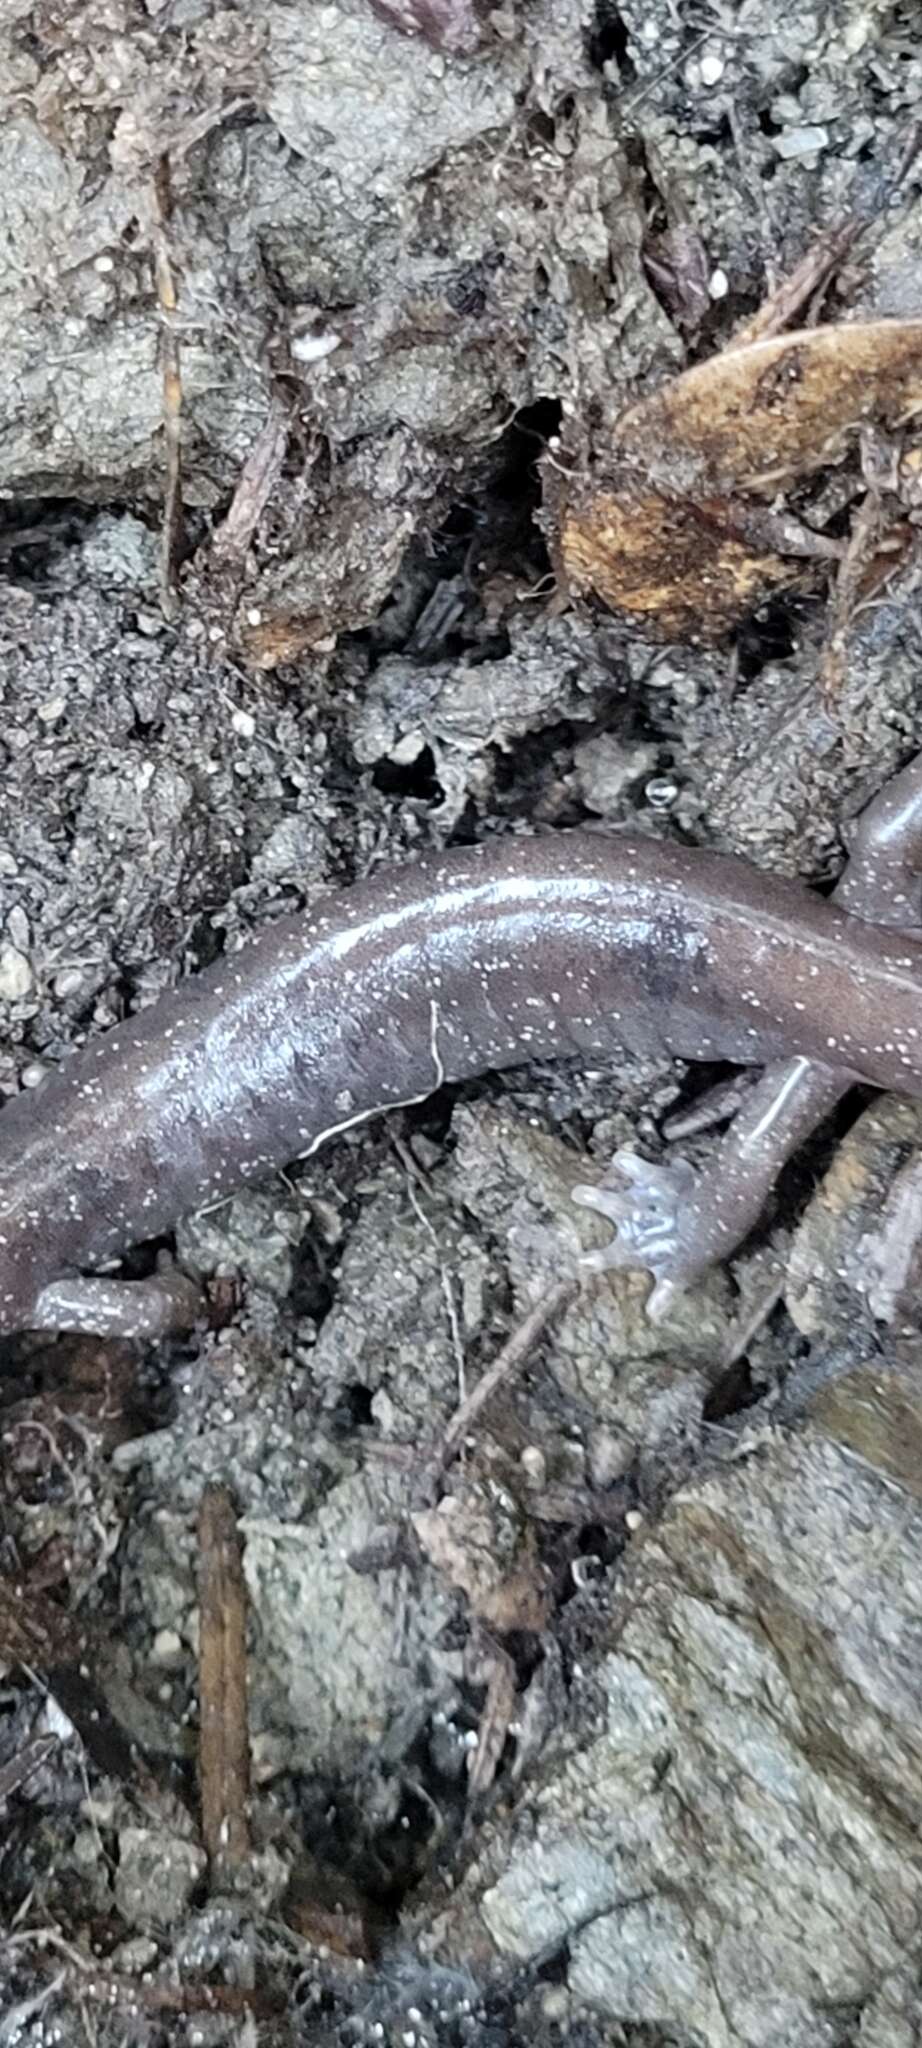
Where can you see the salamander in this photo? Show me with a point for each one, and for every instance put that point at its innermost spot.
(675, 1223)
(571, 943)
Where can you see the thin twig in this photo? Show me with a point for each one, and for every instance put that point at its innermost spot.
(863, 539)
(255, 485)
(514, 1354)
(161, 208)
(742, 1336)
(495, 1721)
(24, 1765)
(224, 1745)
(413, 1173)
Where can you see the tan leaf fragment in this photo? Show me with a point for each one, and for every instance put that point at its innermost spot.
(656, 529)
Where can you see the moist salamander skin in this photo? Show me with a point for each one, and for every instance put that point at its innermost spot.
(572, 943)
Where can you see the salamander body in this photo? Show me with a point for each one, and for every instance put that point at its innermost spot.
(567, 944)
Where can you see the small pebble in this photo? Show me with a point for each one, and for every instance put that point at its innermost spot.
(53, 708)
(17, 928)
(712, 68)
(167, 1647)
(311, 348)
(718, 284)
(798, 142)
(67, 982)
(33, 1074)
(534, 1465)
(16, 977)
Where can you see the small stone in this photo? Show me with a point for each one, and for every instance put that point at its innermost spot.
(718, 284)
(606, 768)
(167, 1647)
(68, 982)
(610, 1457)
(33, 1074)
(156, 1877)
(534, 1465)
(312, 348)
(798, 142)
(712, 68)
(16, 977)
(53, 708)
(243, 723)
(132, 1957)
(17, 928)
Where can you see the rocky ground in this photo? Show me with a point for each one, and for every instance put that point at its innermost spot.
(606, 1731)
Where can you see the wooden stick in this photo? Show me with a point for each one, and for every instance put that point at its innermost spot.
(161, 207)
(508, 1361)
(224, 1745)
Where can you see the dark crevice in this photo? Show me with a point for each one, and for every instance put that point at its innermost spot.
(732, 1393)
(769, 637)
(432, 1118)
(607, 41)
(435, 612)
(205, 943)
(312, 1291)
(353, 1409)
(793, 84)
(36, 532)
(416, 779)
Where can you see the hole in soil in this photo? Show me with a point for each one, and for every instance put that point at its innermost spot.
(205, 944)
(718, 137)
(434, 611)
(36, 532)
(607, 41)
(145, 728)
(770, 637)
(353, 1409)
(540, 127)
(432, 1117)
(792, 85)
(732, 1393)
(410, 778)
(517, 480)
(312, 1292)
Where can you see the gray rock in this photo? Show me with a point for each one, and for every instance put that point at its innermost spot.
(156, 1877)
(730, 1847)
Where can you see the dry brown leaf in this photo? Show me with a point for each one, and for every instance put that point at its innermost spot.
(755, 418)
(657, 528)
(273, 641)
(669, 561)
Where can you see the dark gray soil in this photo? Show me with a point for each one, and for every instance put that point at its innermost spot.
(423, 268)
